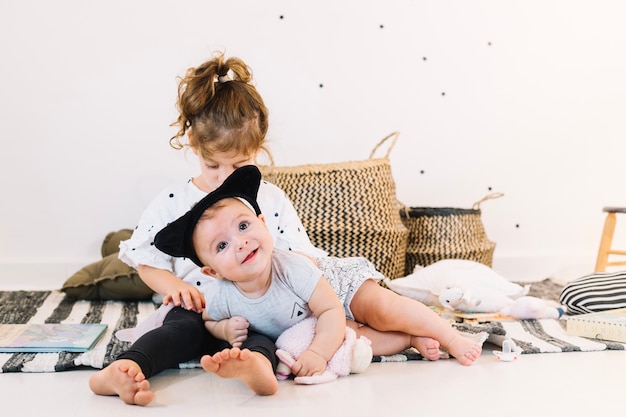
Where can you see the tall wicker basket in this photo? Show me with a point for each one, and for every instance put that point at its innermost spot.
(437, 233)
(349, 208)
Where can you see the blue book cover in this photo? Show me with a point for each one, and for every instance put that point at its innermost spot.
(49, 337)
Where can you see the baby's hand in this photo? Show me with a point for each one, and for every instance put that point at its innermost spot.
(309, 363)
(236, 330)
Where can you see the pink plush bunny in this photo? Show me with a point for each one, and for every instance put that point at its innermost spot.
(353, 356)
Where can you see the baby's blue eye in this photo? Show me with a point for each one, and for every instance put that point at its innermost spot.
(221, 246)
(243, 226)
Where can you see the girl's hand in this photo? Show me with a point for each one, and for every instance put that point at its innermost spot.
(186, 296)
(309, 363)
(236, 330)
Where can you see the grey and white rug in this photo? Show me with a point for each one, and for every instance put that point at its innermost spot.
(544, 335)
(533, 336)
(54, 307)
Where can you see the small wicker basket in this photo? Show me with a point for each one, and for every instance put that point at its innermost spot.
(437, 233)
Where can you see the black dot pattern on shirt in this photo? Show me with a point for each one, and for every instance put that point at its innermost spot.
(198, 283)
(171, 195)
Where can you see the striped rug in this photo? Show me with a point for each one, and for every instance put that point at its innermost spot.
(54, 307)
(541, 336)
(533, 336)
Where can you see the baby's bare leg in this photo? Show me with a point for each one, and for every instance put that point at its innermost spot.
(384, 310)
(390, 343)
(124, 379)
(252, 368)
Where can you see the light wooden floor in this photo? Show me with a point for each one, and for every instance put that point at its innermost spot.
(564, 384)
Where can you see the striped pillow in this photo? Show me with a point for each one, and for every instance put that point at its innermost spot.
(595, 292)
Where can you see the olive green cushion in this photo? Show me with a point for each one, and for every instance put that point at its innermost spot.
(108, 278)
(111, 242)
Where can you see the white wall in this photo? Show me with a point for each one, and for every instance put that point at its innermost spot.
(521, 97)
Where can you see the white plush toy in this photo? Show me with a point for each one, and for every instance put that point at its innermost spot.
(528, 307)
(458, 284)
(468, 286)
(353, 356)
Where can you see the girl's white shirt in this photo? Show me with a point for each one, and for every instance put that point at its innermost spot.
(281, 218)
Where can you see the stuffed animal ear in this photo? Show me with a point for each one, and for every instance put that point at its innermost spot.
(283, 370)
(316, 379)
(361, 355)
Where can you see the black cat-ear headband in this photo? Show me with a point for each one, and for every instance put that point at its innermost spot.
(176, 239)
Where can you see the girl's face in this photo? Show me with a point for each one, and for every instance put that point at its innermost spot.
(235, 243)
(215, 170)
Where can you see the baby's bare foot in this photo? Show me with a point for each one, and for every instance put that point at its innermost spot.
(252, 368)
(124, 379)
(427, 347)
(463, 349)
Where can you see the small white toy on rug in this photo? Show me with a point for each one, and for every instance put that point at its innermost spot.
(510, 351)
(522, 308)
(529, 307)
(484, 300)
(353, 356)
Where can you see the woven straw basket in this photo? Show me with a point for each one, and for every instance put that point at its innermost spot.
(349, 208)
(437, 233)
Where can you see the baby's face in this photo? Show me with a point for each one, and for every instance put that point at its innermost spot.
(233, 242)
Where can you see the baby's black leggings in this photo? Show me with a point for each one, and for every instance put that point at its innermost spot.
(183, 338)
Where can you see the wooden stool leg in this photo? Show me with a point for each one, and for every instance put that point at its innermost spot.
(605, 242)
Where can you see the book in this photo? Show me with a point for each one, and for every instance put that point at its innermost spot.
(604, 325)
(50, 337)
